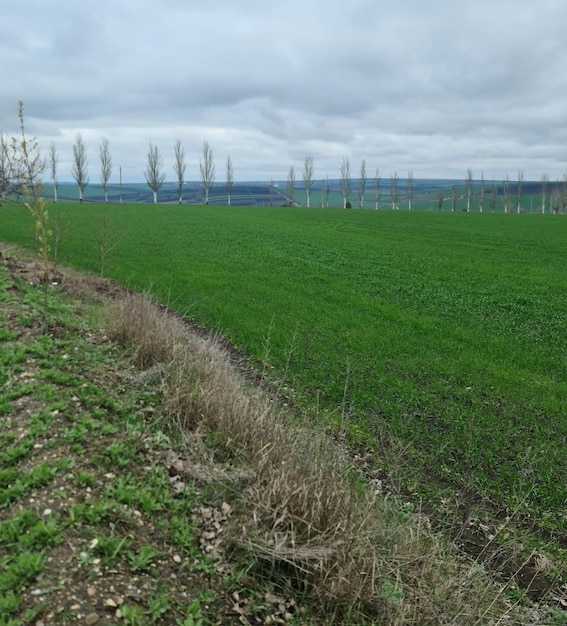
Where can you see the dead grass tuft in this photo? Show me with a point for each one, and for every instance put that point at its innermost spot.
(309, 520)
(136, 321)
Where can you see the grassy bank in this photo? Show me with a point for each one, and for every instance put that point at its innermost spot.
(442, 332)
(143, 482)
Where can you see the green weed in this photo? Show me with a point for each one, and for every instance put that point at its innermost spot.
(142, 559)
(22, 570)
(110, 546)
(132, 615)
(158, 605)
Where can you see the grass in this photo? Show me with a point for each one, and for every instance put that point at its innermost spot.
(228, 510)
(88, 515)
(441, 332)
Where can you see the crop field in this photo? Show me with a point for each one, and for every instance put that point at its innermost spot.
(242, 194)
(441, 333)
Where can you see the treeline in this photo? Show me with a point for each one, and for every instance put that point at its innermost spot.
(364, 191)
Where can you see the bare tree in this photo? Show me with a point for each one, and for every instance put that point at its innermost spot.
(5, 166)
(440, 198)
(107, 239)
(377, 189)
(453, 198)
(153, 174)
(469, 188)
(79, 169)
(12, 174)
(564, 192)
(207, 167)
(29, 166)
(325, 189)
(506, 193)
(290, 184)
(519, 189)
(361, 184)
(308, 178)
(544, 185)
(179, 167)
(345, 181)
(229, 178)
(556, 200)
(410, 189)
(53, 160)
(492, 197)
(105, 165)
(394, 190)
(481, 193)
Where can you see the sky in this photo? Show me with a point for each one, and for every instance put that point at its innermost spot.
(432, 86)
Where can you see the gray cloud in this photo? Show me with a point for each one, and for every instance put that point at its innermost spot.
(435, 87)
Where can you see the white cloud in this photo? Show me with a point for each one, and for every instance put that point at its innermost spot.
(435, 87)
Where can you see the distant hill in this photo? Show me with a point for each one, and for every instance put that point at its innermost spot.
(263, 193)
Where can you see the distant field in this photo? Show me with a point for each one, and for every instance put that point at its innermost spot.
(444, 331)
(425, 194)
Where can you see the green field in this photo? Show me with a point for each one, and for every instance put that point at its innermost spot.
(444, 332)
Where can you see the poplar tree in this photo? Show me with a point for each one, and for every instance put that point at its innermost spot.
(290, 184)
(345, 181)
(53, 161)
(153, 174)
(377, 189)
(79, 169)
(308, 178)
(207, 167)
(519, 190)
(394, 191)
(105, 165)
(469, 188)
(229, 178)
(179, 168)
(481, 193)
(410, 189)
(362, 184)
(544, 184)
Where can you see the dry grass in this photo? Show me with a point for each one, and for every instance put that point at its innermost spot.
(150, 331)
(309, 519)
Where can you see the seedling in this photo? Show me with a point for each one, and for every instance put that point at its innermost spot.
(143, 559)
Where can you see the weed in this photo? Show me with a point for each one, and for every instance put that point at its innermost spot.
(22, 570)
(92, 512)
(142, 560)
(106, 239)
(84, 479)
(129, 491)
(110, 546)
(7, 477)
(9, 603)
(182, 533)
(158, 605)
(16, 453)
(121, 453)
(131, 614)
(193, 615)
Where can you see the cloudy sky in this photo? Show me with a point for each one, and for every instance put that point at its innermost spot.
(435, 86)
